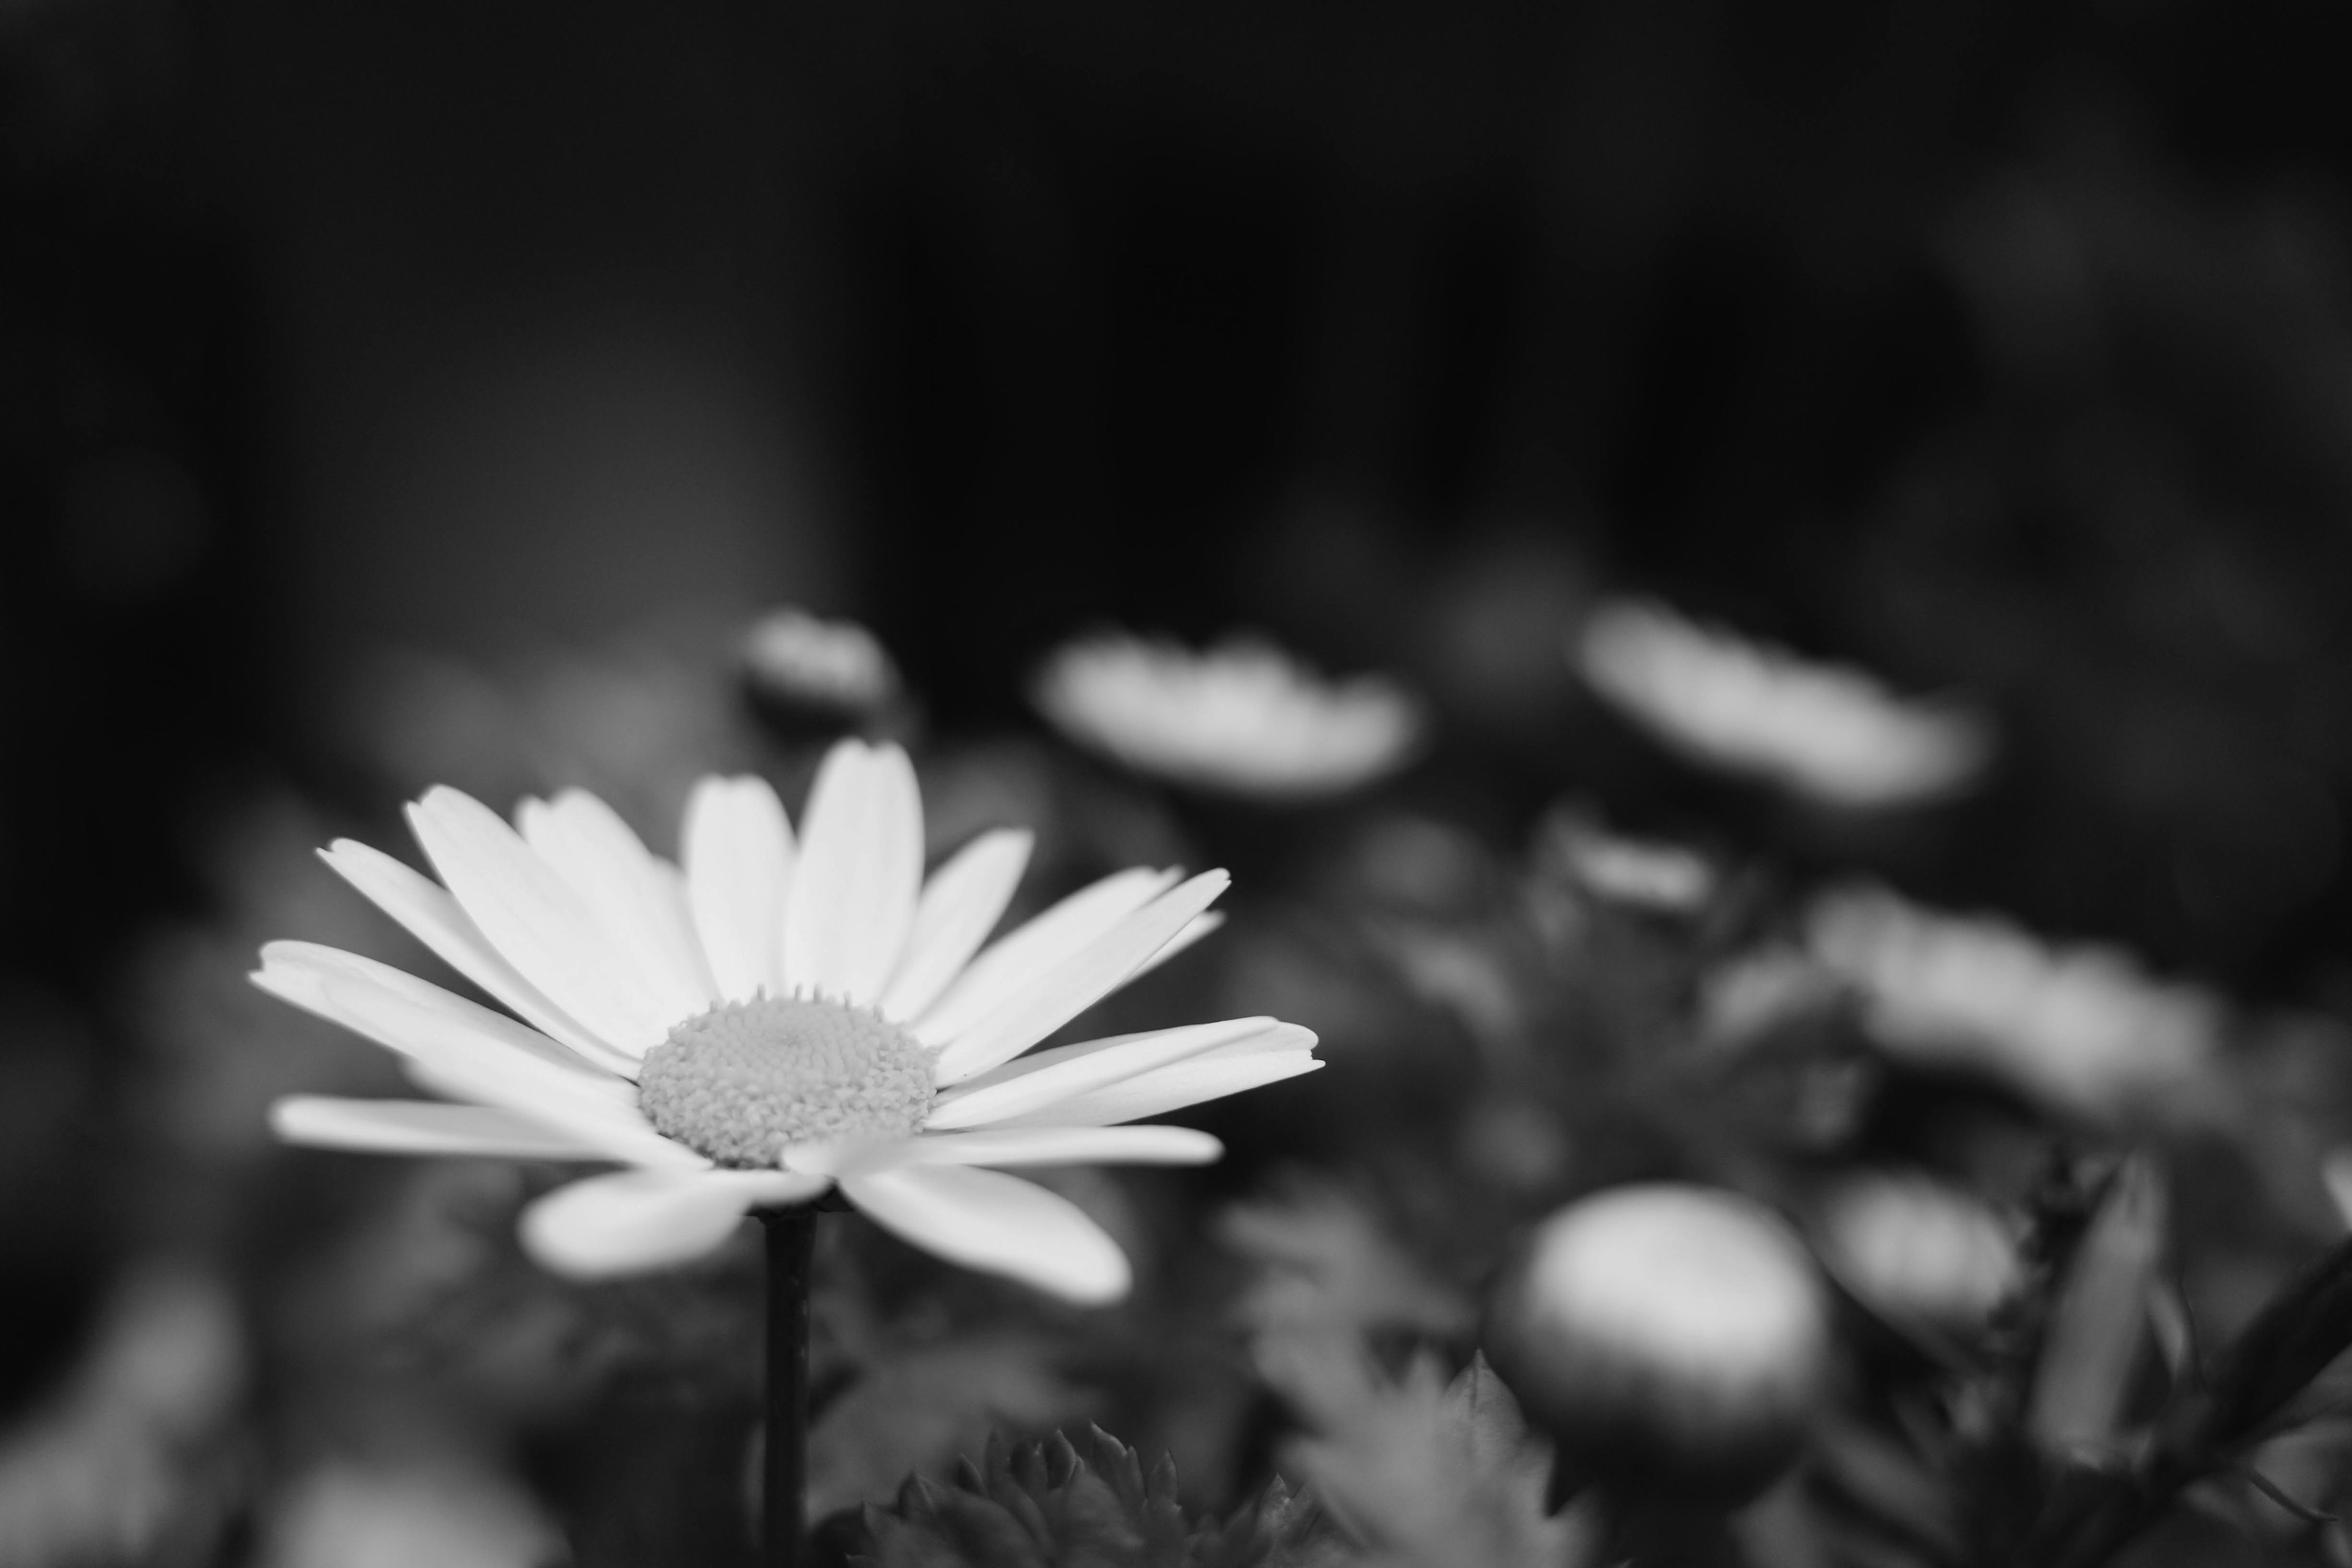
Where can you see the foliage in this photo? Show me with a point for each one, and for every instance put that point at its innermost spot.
(1058, 1504)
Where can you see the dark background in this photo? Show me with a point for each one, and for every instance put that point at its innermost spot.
(2002, 348)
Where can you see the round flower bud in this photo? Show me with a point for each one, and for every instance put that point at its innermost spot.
(1669, 1338)
(1917, 1252)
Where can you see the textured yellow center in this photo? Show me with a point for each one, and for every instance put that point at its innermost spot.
(745, 1080)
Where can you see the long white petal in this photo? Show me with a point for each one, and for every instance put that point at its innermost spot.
(738, 871)
(960, 905)
(422, 1127)
(1018, 959)
(534, 918)
(1077, 982)
(1169, 1088)
(467, 1049)
(1020, 1146)
(628, 893)
(860, 875)
(634, 1221)
(1137, 1052)
(986, 1220)
(1202, 925)
(1066, 1071)
(431, 915)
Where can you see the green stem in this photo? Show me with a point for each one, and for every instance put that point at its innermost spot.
(792, 1239)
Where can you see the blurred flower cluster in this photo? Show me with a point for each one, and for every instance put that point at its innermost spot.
(1672, 1195)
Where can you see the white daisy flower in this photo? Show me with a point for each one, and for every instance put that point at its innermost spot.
(2082, 1028)
(1243, 716)
(781, 1016)
(1828, 733)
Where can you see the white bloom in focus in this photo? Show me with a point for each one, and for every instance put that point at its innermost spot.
(2083, 1029)
(1918, 1251)
(1243, 716)
(782, 1016)
(839, 666)
(1832, 733)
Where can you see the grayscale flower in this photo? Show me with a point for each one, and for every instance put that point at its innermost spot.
(1828, 733)
(1243, 718)
(1918, 1251)
(2083, 1029)
(1667, 1329)
(778, 1017)
(800, 660)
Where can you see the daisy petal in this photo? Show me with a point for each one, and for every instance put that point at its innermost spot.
(739, 868)
(1169, 1088)
(534, 918)
(432, 916)
(1031, 949)
(1202, 925)
(960, 905)
(1059, 1074)
(985, 1219)
(628, 893)
(467, 1049)
(1023, 1146)
(421, 1127)
(860, 874)
(634, 1221)
(1140, 1052)
(1077, 982)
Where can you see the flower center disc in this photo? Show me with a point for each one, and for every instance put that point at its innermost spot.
(748, 1079)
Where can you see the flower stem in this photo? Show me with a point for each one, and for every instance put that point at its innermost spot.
(791, 1238)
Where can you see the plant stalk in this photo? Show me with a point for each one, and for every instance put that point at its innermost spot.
(791, 1240)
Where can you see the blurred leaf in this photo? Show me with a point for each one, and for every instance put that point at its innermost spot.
(1323, 1258)
(2174, 1330)
(2290, 1343)
(918, 1409)
(2100, 1319)
(1422, 1473)
(1056, 1504)
(1890, 1486)
(1782, 1528)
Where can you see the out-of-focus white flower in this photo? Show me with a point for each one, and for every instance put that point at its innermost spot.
(1916, 1250)
(1828, 733)
(1676, 1331)
(835, 666)
(778, 1017)
(1754, 994)
(2081, 1028)
(352, 1515)
(1640, 873)
(1242, 717)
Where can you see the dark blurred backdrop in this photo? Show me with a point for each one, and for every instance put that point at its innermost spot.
(2003, 347)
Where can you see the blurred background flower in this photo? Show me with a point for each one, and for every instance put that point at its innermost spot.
(529, 398)
(2082, 1027)
(1242, 717)
(1826, 731)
